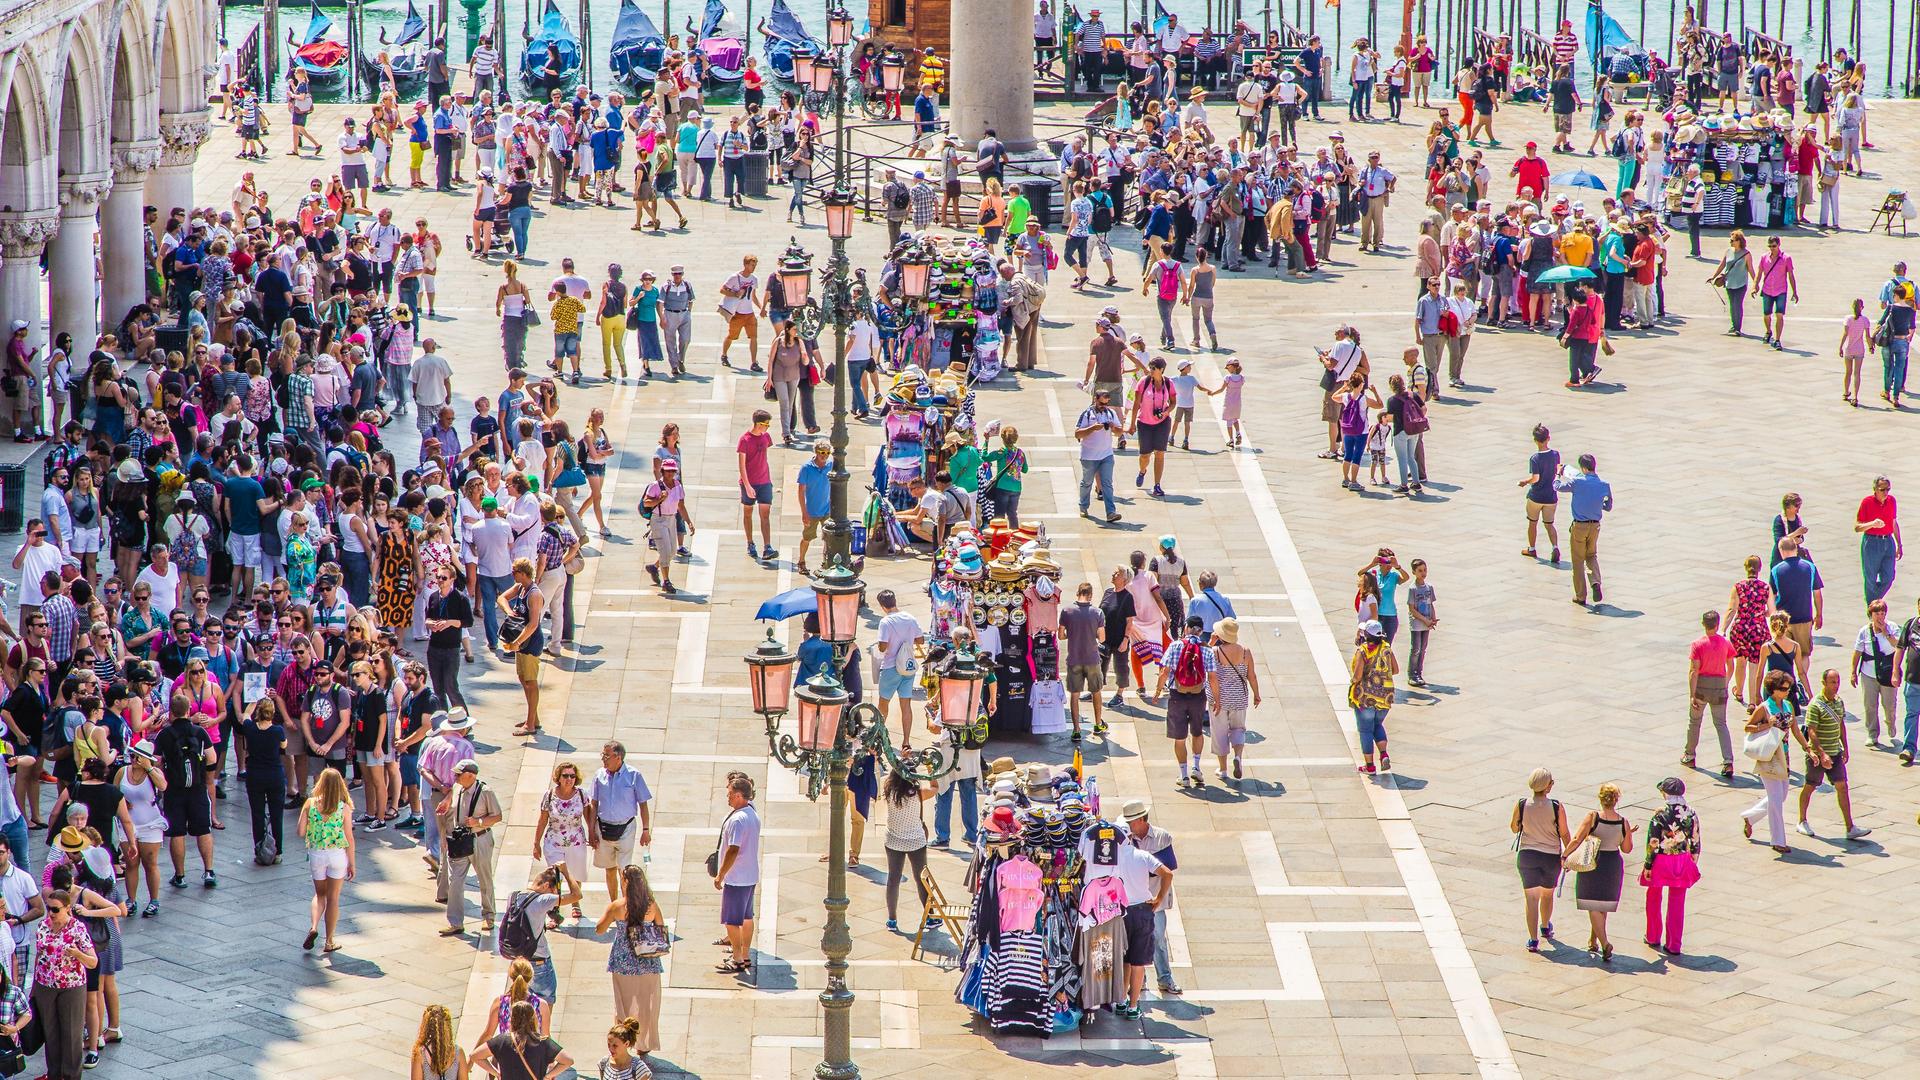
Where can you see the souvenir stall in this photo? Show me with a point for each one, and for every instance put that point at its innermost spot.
(960, 321)
(1046, 940)
(1746, 164)
(921, 409)
(1005, 584)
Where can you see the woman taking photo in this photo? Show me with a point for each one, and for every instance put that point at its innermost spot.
(634, 962)
(520, 1052)
(330, 858)
(567, 831)
(1771, 719)
(520, 635)
(435, 1054)
(1597, 890)
(906, 840)
(1540, 825)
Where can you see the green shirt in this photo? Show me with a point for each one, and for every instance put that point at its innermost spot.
(1018, 210)
(964, 467)
(1007, 463)
(1824, 718)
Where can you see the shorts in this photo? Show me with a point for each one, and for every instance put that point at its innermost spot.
(1563, 123)
(663, 184)
(1539, 511)
(426, 284)
(810, 529)
(416, 154)
(744, 322)
(296, 741)
(1183, 414)
(327, 864)
(1083, 678)
(1773, 305)
(1155, 437)
(1835, 773)
(1727, 82)
(250, 131)
(189, 811)
(893, 684)
(1377, 457)
(1139, 919)
(484, 213)
(1802, 634)
(1116, 393)
(526, 666)
(736, 905)
(614, 854)
(353, 176)
(762, 495)
(1329, 408)
(953, 189)
(245, 550)
(1076, 254)
(1229, 729)
(409, 770)
(778, 316)
(594, 468)
(1352, 447)
(565, 345)
(374, 757)
(1538, 869)
(1186, 715)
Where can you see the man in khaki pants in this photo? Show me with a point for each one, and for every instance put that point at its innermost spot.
(1592, 497)
(1376, 186)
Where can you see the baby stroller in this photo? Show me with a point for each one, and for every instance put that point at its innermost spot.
(502, 239)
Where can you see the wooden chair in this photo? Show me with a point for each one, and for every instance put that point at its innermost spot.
(1889, 213)
(953, 916)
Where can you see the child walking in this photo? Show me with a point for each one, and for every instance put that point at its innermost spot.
(1232, 384)
(1853, 350)
(1377, 437)
(1425, 616)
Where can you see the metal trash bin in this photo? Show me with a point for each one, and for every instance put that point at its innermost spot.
(13, 498)
(759, 166)
(1039, 195)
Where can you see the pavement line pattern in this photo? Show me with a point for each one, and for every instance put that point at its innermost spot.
(1485, 1037)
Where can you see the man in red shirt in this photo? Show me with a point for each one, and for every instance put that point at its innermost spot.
(1646, 270)
(1586, 317)
(1878, 523)
(1531, 169)
(1707, 670)
(756, 485)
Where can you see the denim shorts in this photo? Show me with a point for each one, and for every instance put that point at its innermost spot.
(566, 345)
(1773, 305)
(762, 494)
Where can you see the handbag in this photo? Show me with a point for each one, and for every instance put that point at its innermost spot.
(530, 316)
(713, 857)
(1762, 745)
(650, 941)
(1583, 857)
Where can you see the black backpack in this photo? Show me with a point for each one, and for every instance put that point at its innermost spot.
(899, 199)
(1102, 215)
(518, 938)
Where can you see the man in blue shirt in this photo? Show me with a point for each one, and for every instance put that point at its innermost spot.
(622, 811)
(1209, 606)
(1797, 592)
(246, 501)
(1592, 497)
(443, 134)
(926, 122)
(814, 493)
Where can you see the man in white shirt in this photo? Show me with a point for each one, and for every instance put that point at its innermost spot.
(353, 160)
(383, 237)
(485, 61)
(35, 559)
(570, 283)
(432, 379)
(739, 874)
(19, 890)
(1376, 185)
(1246, 103)
(1172, 37)
(523, 516)
(863, 342)
(1098, 427)
(899, 635)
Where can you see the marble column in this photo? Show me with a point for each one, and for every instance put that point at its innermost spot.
(992, 89)
(22, 239)
(181, 136)
(122, 245)
(73, 289)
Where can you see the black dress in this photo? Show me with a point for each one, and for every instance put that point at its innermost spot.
(1598, 889)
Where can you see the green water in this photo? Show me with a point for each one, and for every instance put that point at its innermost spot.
(1647, 22)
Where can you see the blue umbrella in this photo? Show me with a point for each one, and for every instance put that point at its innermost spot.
(788, 604)
(1577, 178)
(1560, 274)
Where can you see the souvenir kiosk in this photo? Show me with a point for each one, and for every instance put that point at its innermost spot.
(1746, 164)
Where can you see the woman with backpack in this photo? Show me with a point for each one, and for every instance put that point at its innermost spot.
(635, 959)
(1370, 693)
(1409, 416)
(324, 827)
(1539, 825)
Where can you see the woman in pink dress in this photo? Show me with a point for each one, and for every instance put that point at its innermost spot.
(1748, 608)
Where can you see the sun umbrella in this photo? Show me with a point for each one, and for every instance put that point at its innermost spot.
(1577, 178)
(1562, 274)
(788, 604)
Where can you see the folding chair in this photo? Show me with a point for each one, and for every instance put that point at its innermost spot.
(1890, 211)
(953, 916)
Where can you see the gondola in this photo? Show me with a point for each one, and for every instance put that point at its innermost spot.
(553, 31)
(324, 60)
(782, 33)
(406, 54)
(638, 48)
(725, 51)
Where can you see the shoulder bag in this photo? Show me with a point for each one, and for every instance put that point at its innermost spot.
(713, 857)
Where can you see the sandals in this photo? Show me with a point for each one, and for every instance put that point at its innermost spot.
(1746, 827)
(1529, 553)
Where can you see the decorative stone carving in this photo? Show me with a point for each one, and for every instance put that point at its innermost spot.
(26, 237)
(133, 161)
(181, 136)
(81, 196)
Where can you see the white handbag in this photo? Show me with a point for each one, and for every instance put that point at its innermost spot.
(1762, 745)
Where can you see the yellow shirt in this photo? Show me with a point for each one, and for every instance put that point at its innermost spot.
(933, 73)
(1577, 249)
(566, 314)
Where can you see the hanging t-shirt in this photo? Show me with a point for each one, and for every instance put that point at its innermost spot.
(1044, 651)
(1049, 707)
(1019, 881)
(1013, 699)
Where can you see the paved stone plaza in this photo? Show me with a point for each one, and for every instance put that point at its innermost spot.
(1326, 925)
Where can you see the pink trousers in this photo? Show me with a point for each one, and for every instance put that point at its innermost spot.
(1676, 915)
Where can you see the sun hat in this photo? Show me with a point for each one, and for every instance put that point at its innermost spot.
(1135, 809)
(1228, 630)
(72, 841)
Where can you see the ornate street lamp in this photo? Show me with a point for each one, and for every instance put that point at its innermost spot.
(893, 72)
(770, 678)
(960, 687)
(829, 733)
(803, 65)
(839, 204)
(839, 28)
(915, 270)
(796, 274)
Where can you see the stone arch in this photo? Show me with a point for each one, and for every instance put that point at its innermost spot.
(133, 108)
(182, 77)
(26, 158)
(81, 138)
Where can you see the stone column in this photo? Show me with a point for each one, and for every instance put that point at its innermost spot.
(22, 239)
(181, 136)
(122, 249)
(73, 291)
(992, 88)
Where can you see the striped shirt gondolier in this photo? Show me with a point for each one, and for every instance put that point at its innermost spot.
(484, 61)
(1565, 47)
(1207, 46)
(1093, 36)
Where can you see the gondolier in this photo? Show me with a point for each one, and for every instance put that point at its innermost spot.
(485, 62)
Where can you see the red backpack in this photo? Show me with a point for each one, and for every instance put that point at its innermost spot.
(1190, 671)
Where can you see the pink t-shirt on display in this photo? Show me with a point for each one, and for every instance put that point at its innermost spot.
(1019, 894)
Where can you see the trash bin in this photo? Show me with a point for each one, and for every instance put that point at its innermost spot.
(758, 167)
(13, 498)
(1039, 195)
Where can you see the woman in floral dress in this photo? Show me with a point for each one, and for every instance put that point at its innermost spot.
(1748, 608)
(396, 573)
(562, 834)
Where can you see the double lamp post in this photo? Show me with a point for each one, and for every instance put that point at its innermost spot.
(828, 734)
